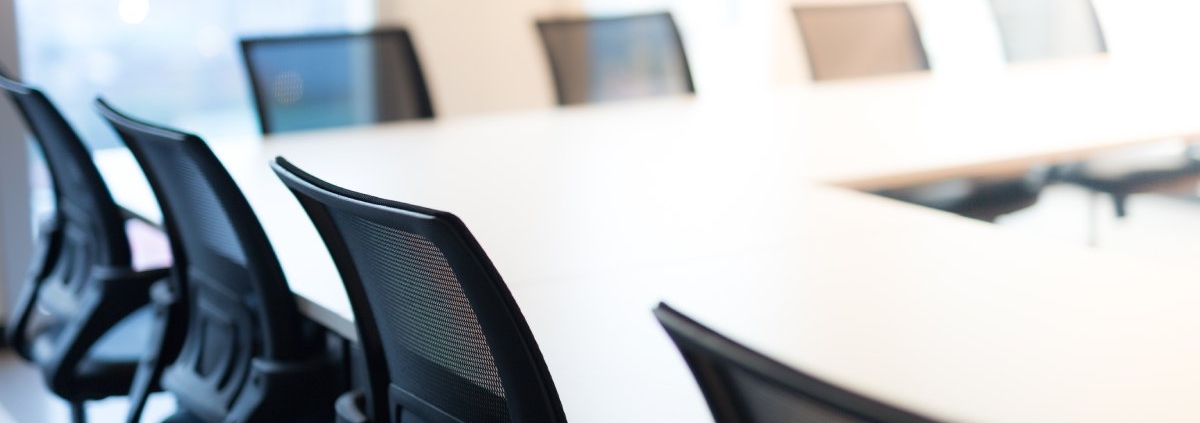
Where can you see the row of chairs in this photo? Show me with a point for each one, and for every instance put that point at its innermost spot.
(875, 39)
(315, 81)
(342, 79)
(324, 80)
(441, 337)
(219, 329)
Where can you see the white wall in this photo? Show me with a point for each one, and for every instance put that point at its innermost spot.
(15, 233)
(480, 55)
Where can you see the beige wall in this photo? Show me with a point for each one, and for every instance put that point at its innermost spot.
(480, 55)
(15, 238)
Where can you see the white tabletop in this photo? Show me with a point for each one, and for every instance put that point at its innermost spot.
(1045, 333)
(720, 205)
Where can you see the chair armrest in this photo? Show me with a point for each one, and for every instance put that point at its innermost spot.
(126, 279)
(287, 391)
(165, 338)
(114, 295)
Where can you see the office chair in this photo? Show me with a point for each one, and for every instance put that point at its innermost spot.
(863, 40)
(860, 40)
(743, 386)
(236, 349)
(1040, 30)
(442, 337)
(82, 317)
(330, 80)
(616, 58)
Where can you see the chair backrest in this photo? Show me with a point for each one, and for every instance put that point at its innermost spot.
(1042, 29)
(85, 235)
(92, 226)
(328, 80)
(239, 306)
(444, 340)
(743, 386)
(861, 40)
(616, 58)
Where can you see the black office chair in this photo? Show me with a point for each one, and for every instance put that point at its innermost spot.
(329, 80)
(1067, 28)
(443, 339)
(82, 316)
(743, 386)
(615, 58)
(862, 40)
(237, 350)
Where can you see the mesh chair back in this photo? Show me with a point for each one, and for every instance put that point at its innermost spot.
(92, 227)
(319, 81)
(743, 386)
(861, 40)
(239, 306)
(616, 58)
(54, 322)
(1040, 29)
(444, 340)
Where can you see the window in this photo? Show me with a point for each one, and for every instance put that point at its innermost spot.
(170, 61)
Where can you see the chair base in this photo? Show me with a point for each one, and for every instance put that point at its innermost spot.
(1179, 180)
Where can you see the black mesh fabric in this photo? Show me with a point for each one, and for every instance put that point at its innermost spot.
(616, 58)
(436, 347)
(90, 228)
(317, 81)
(206, 229)
(83, 202)
(443, 340)
(86, 233)
(239, 307)
(219, 242)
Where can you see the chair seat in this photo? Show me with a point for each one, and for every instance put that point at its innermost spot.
(977, 198)
(109, 366)
(991, 199)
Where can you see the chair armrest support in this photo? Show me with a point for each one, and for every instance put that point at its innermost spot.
(287, 391)
(49, 247)
(116, 293)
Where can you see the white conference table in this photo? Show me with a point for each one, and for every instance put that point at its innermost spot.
(722, 207)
